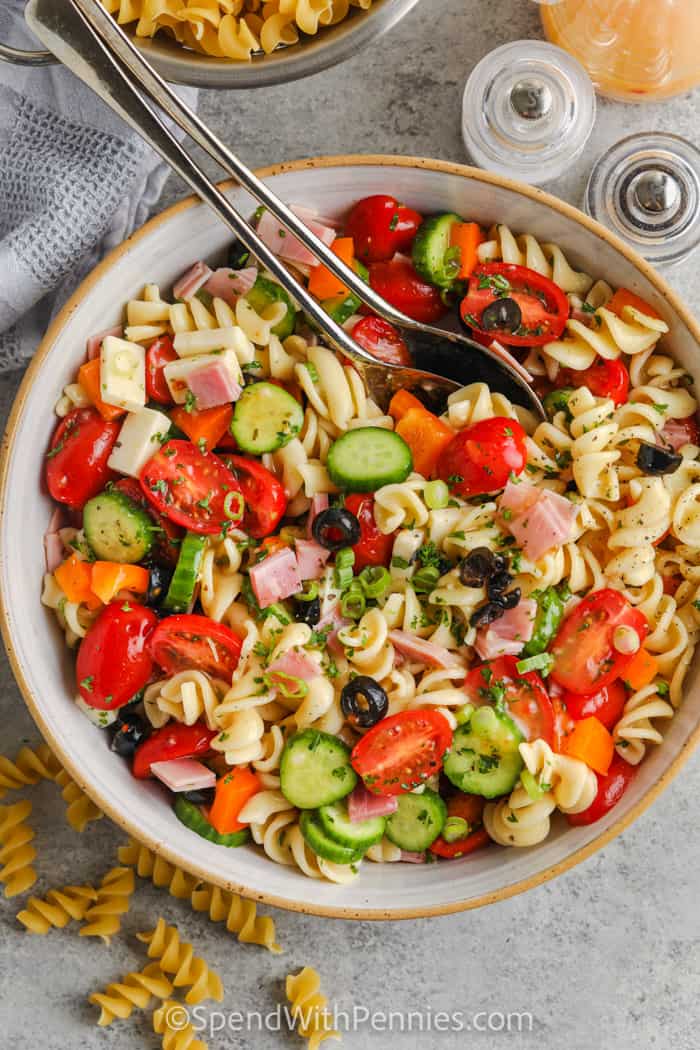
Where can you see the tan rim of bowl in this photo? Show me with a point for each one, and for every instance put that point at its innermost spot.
(7, 445)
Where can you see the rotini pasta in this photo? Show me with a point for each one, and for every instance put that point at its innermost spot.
(177, 957)
(81, 810)
(16, 852)
(167, 1021)
(29, 767)
(134, 991)
(103, 918)
(310, 1008)
(240, 916)
(149, 865)
(57, 909)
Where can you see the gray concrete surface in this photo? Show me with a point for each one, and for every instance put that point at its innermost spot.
(606, 956)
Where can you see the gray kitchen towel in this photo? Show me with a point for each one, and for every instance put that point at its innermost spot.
(74, 182)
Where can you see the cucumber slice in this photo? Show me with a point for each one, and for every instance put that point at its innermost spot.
(360, 834)
(116, 528)
(417, 822)
(315, 769)
(265, 292)
(432, 256)
(193, 818)
(182, 585)
(365, 459)
(341, 307)
(265, 418)
(484, 757)
(322, 844)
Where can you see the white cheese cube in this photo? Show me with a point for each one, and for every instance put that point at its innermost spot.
(205, 341)
(140, 437)
(177, 372)
(122, 373)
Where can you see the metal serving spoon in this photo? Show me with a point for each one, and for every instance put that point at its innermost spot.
(88, 41)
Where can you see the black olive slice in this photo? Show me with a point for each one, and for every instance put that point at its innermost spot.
(655, 459)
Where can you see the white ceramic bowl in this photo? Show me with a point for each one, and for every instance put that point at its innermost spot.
(44, 669)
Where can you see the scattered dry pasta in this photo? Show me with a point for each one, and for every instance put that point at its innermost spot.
(16, 852)
(168, 1021)
(309, 1010)
(57, 909)
(134, 991)
(149, 865)
(29, 767)
(81, 809)
(103, 918)
(177, 957)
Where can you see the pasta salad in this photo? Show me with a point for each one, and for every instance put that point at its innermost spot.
(341, 630)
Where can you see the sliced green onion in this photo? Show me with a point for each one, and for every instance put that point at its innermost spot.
(277, 611)
(353, 602)
(309, 591)
(291, 687)
(543, 662)
(455, 828)
(531, 786)
(425, 580)
(234, 513)
(464, 714)
(345, 558)
(342, 572)
(436, 495)
(374, 579)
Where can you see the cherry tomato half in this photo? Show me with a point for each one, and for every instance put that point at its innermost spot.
(611, 788)
(184, 641)
(373, 547)
(380, 227)
(114, 659)
(175, 740)
(76, 463)
(469, 808)
(544, 307)
(603, 378)
(525, 698)
(585, 658)
(265, 501)
(402, 751)
(192, 488)
(398, 283)
(607, 704)
(159, 354)
(482, 457)
(166, 545)
(380, 338)
(680, 432)
(451, 850)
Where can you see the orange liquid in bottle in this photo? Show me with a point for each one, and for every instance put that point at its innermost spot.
(634, 50)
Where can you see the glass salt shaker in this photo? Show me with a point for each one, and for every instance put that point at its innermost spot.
(528, 111)
(646, 189)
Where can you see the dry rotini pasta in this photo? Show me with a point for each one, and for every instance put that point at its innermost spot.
(16, 851)
(177, 957)
(134, 991)
(309, 1008)
(103, 918)
(167, 1021)
(29, 766)
(57, 909)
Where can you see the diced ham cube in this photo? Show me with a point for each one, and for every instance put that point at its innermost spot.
(184, 774)
(295, 664)
(363, 805)
(187, 286)
(311, 559)
(213, 385)
(230, 285)
(546, 524)
(285, 245)
(275, 578)
(422, 651)
(518, 496)
(507, 635)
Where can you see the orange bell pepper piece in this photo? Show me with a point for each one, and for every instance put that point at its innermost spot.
(590, 742)
(111, 577)
(426, 436)
(402, 402)
(89, 379)
(232, 792)
(624, 297)
(467, 236)
(322, 283)
(74, 577)
(207, 427)
(643, 670)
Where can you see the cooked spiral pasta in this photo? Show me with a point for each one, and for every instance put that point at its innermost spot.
(74, 618)
(239, 915)
(56, 909)
(518, 820)
(571, 782)
(81, 809)
(384, 852)
(635, 729)
(103, 918)
(546, 259)
(149, 865)
(220, 578)
(177, 957)
(474, 402)
(16, 852)
(314, 1021)
(30, 765)
(636, 529)
(73, 396)
(367, 645)
(608, 336)
(134, 991)
(396, 505)
(187, 697)
(167, 1021)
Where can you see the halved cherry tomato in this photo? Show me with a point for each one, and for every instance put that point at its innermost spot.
(184, 641)
(76, 463)
(451, 850)
(380, 227)
(174, 740)
(398, 283)
(607, 704)
(585, 658)
(159, 354)
(380, 338)
(166, 546)
(265, 501)
(544, 307)
(611, 788)
(114, 659)
(402, 751)
(524, 696)
(606, 379)
(482, 457)
(563, 722)
(373, 547)
(192, 488)
(680, 432)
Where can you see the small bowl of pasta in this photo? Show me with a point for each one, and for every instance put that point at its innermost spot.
(251, 43)
(352, 658)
